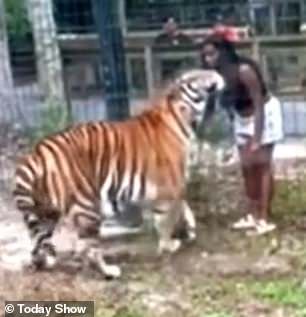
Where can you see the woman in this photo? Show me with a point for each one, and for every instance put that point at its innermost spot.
(257, 121)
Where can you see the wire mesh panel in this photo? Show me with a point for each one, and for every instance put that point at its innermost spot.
(74, 16)
(150, 15)
(284, 69)
(147, 64)
(294, 115)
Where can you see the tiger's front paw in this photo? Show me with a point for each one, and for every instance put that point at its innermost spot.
(170, 246)
(111, 271)
(191, 235)
(43, 262)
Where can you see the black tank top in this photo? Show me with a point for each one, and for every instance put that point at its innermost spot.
(236, 95)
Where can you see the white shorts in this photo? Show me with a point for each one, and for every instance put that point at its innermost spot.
(244, 127)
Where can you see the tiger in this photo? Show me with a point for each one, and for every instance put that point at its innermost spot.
(77, 174)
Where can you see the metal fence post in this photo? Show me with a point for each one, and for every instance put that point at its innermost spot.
(113, 58)
(149, 69)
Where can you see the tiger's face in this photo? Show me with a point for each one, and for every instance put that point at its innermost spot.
(196, 87)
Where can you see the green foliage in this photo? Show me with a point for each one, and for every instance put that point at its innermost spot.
(54, 118)
(218, 130)
(290, 197)
(283, 292)
(18, 24)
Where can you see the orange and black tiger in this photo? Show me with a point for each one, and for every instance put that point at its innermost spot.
(80, 172)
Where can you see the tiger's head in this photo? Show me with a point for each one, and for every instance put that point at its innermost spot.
(194, 89)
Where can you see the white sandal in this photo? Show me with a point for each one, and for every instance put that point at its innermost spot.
(263, 227)
(247, 222)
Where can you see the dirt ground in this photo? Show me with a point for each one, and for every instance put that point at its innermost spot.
(223, 274)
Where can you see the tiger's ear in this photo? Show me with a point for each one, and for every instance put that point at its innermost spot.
(171, 96)
(172, 92)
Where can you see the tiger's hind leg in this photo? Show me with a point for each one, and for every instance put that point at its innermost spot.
(189, 222)
(87, 224)
(41, 231)
(166, 218)
(174, 222)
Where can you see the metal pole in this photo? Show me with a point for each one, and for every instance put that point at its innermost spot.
(113, 58)
(255, 42)
(149, 69)
(273, 17)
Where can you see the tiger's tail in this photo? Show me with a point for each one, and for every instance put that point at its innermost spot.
(40, 224)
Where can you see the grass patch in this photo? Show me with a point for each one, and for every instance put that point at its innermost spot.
(290, 198)
(220, 298)
(287, 293)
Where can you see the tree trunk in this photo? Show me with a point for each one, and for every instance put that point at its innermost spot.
(47, 50)
(6, 80)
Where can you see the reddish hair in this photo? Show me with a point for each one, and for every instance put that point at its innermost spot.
(228, 33)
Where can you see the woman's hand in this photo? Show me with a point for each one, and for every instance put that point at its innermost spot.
(254, 145)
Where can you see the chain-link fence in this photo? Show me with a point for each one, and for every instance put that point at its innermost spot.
(73, 60)
(61, 66)
(66, 62)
